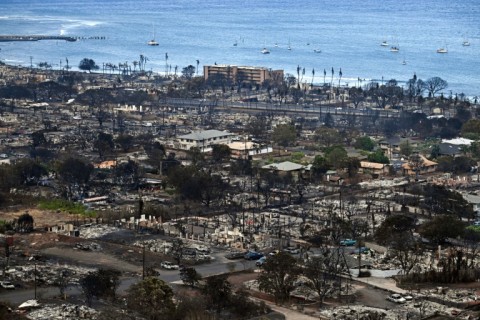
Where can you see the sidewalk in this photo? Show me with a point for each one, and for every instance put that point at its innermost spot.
(288, 313)
(387, 284)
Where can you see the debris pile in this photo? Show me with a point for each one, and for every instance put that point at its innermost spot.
(96, 231)
(64, 311)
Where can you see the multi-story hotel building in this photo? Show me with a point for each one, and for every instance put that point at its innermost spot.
(254, 75)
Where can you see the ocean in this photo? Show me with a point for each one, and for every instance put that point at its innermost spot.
(348, 33)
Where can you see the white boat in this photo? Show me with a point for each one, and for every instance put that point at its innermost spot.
(394, 49)
(465, 43)
(265, 51)
(153, 42)
(276, 44)
(317, 50)
(404, 62)
(384, 43)
(442, 50)
(289, 47)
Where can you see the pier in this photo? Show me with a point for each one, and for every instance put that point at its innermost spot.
(7, 38)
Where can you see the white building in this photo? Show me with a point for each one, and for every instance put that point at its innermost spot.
(204, 139)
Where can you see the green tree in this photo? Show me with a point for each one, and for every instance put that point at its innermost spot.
(100, 284)
(104, 144)
(188, 72)
(378, 156)
(217, 291)
(220, 152)
(336, 156)
(406, 148)
(190, 277)
(278, 276)
(87, 65)
(392, 227)
(328, 121)
(471, 129)
(284, 135)
(442, 227)
(25, 223)
(152, 298)
(327, 137)
(74, 173)
(365, 143)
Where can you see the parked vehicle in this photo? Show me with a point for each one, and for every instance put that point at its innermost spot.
(348, 242)
(260, 261)
(274, 253)
(360, 250)
(252, 255)
(7, 285)
(397, 298)
(292, 250)
(168, 265)
(235, 255)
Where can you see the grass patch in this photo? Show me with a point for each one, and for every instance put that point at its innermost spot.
(66, 206)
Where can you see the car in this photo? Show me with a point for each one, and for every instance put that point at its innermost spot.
(7, 285)
(407, 297)
(397, 298)
(260, 261)
(168, 265)
(348, 242)
(274, 253)
(235, 255)
(360, 250)
(476, 223)
(252, 255)
(292, 250)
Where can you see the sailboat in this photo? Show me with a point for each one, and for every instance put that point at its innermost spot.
(404, 62)
(265, 50)
(394, 49)
(153, 42)
(289, 47)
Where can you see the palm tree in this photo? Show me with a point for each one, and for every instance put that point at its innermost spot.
(135, 63)
(198, 63)
(339, 76)
(313, 76)
(331, 81)
(166, 63)
(324, 75)
(176, 69)
(298, 76)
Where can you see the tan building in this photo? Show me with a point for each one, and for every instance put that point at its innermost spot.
(254, 75)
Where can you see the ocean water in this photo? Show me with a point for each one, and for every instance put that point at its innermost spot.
(348, 32)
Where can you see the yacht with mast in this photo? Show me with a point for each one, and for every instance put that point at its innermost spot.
(153, 42)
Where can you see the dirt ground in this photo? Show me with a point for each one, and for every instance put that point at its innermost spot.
(41, 218)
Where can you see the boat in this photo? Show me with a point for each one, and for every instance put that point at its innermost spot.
(394, 49)
(442, 50)
(276, 44)
(289, 47)
(317, 50)
(465, 43)
(235, 43)
(384, 43)
(265, 51)
(404, 62)
(153, 42)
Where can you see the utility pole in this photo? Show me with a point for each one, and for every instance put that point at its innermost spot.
(143, 263)
(35, 279)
